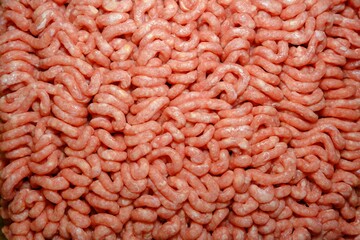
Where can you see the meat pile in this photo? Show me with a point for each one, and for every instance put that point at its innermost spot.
(180, 119)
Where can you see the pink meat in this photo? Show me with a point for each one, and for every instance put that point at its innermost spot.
(187, 119)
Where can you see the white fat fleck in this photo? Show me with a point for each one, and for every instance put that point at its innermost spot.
(262, 83)
(192, 114)
(5, 79)
(299, 52)
(122, 201)
(43, 21)
(114, 17)
(171, 7)
(207, 118)
(183, 7)
(267, 3)
(52, 32)
(292, 22)
(297, 35)
(243, 145)
(109, 5)
(266, 156)
(343, 49)
(78, 231)
(94, 10)
(51, 164)
(319, 35)
(162, 184)
(289, 2)
(41, 25)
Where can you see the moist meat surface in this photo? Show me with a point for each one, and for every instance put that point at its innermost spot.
(180, 119)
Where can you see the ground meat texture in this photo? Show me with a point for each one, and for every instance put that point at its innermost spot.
(178, 119)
